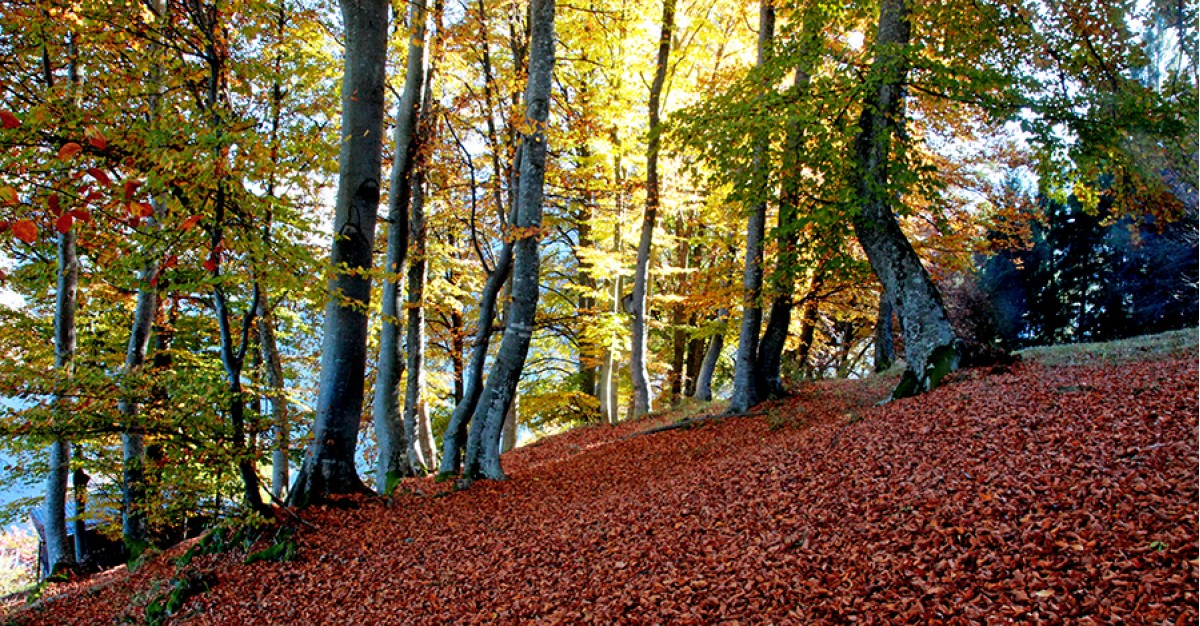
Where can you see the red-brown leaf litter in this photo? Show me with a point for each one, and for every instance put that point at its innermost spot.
(1025, 494)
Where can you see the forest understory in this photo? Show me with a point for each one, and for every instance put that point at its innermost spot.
(1055, 490)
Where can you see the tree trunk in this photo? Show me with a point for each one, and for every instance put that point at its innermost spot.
(79, 482)
(414, 388)
(885, 349)
(643, 401)
(508, 439)
(808, 319)
(329, 462)
(133, 447)
(59, 550)
(395, 442)
(745, 392)
(276, 395)
(929, 340)
(483, 455)
(715, 346)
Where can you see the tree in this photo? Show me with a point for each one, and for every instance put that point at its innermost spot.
(929, 340)
(483, 444)
(642, 400)
(329, 462)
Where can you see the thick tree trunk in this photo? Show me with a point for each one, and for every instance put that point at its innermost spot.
(930, 343)
(79, 482)
(483, 458)
(711, 356)
(395, 444)
(885, 349)
(643, 401)
(276, 396)
(745, 390)
(329, 462)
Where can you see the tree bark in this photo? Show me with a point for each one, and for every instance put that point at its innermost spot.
(395, 442)
(483, 458)
(329, 461)
(277, 396)
(414, 388)
(930, 342)
(711, 356)
(79, 483)
(745, 390)
(643, 401)
(885, 349)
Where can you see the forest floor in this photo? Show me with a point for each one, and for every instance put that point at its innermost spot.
(1060, 489)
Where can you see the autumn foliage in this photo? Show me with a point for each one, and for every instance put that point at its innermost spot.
(1032, 493)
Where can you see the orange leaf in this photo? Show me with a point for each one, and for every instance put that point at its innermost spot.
(100, 176)
(190, 222)
(8, 120)
(25, 230)
(96, 138)
(8, 196)
(69, 150)
(141, 209)
(63, 223)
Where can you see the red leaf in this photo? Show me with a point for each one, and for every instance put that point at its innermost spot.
(170, 261)
(190, 222)
(25, 230)
(95, 138)
(53, 204)
(211, 264)
(100, 176)
(63, 223)
(131, 187)
(82, 215)
(8, 120)
(69, 150)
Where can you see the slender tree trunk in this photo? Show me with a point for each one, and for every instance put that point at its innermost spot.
(609, 369)
(783, 277)
(643, 401)
(414, 388)
(929, 340)
(745, 392)
(483, 459)
(394, 437)
(277, 397)
(60, 554)
(679, 332)
(711, 356)
(808, 319)
(329, 462)
(79, 482)
(696, 350)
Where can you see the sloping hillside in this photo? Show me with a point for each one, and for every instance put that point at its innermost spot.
(1041, 491)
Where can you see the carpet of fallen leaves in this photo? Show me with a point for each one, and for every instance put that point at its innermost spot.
(1025, 494)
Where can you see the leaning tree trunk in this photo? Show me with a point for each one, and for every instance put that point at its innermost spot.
(394, 439)
(483, 458)
(745, 392)
(704, 378)
(643, 402)
(929, 340)
(329, 461)
(60, 553)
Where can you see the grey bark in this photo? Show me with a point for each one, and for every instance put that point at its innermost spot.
(508, 439)
(930, 343)
(59, 549)
(746, 392)
(483, 458)
(329, 461)
(643, 401)
(711, 356)
(79, 483)
(276, 396)
(609, 370)
(395, 440)
(885, 349)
